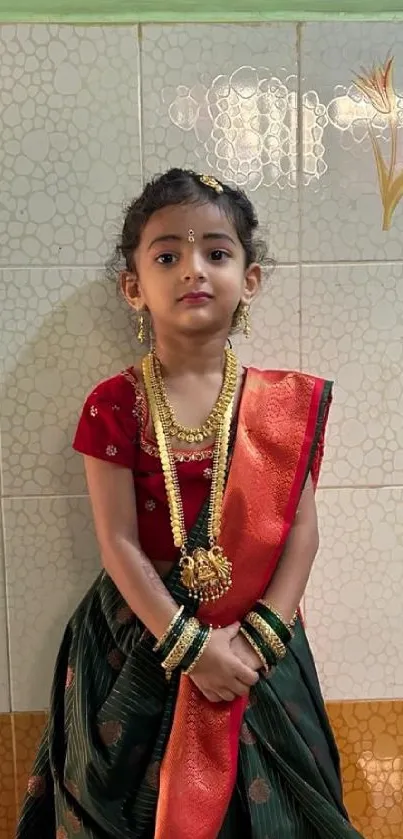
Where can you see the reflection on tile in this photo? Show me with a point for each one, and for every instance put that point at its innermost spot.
(7, 786)
(370, 739)
(4, 678)
(51, 561)
(342, 214)
(70, 145)
(28, 729)
(274, 338)
(352, 331)
(353, 607)
(71, 331)
(223, 98)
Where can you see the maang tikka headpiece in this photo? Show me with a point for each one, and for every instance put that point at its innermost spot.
(208, 180)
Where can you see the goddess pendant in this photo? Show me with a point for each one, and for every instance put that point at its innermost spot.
(207, 573)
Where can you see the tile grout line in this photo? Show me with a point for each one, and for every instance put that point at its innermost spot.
(140, 98)
(84, 495)
(300, 165)
(355, 263)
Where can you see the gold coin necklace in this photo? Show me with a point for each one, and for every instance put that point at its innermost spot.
(206, 573)
(211, 424)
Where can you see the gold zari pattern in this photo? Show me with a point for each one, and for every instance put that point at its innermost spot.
(206, 573)
(267, 634)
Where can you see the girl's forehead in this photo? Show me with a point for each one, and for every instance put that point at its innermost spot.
(179, 218)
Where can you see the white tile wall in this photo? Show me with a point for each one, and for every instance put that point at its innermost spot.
(79, 129)
(354, 601)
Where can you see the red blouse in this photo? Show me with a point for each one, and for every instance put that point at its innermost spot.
(113, 427)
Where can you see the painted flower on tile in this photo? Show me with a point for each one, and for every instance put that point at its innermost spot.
(377, 87)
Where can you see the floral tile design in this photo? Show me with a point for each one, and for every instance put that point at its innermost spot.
(344, 124)
(222, 99)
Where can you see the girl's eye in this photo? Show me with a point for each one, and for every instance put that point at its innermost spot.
(166, 258)
(218, 255)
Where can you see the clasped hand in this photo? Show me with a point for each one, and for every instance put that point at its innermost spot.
(228, 667)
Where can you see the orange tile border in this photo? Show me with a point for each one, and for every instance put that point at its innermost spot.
(8, 804)
(369, 736)
(28, 728)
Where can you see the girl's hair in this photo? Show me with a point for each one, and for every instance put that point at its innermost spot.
(183, 186)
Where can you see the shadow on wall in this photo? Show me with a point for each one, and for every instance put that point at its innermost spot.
(61, 335)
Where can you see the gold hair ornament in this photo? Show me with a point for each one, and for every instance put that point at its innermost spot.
(208, 180)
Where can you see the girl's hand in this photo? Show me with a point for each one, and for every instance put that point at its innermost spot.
(246, 653)
(220, 674)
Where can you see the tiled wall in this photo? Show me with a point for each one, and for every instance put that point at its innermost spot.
(86, 115)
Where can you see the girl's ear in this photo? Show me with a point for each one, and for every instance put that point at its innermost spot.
(130, 289)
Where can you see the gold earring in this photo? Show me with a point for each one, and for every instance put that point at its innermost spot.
(245, 320)
(140, 329)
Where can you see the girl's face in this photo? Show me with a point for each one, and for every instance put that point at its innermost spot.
(190, 271)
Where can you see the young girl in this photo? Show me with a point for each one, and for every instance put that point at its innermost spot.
(185, 700)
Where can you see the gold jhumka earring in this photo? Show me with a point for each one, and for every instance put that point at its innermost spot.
(140, 329)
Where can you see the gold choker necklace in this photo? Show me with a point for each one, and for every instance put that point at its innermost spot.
(206, 573)
(211, 424)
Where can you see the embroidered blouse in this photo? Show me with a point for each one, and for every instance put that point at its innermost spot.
(113, 427)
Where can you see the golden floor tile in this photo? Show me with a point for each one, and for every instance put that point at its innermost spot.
(8, 807)
(370, 739)
(28, 728)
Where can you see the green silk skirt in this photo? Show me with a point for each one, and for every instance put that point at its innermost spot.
(96, 774)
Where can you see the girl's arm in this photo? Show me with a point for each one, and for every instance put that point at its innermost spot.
(290, 578)
(219, 673)
(113, 501)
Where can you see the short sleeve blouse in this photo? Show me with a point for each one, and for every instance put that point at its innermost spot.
(108, 425)
(113, 427)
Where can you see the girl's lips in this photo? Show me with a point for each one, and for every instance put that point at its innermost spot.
(195, 297)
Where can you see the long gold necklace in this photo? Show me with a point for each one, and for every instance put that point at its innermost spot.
(211, 424)
(207, 573)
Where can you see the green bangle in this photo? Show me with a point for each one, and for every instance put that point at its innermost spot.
(267, 652)
(270, 617)
(174, 635)
(195, 647)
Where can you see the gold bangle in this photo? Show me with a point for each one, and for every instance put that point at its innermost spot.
(255, 647)
(280, 617)
(268, 634)
(169, 628)
(199, 654)
(181, 647)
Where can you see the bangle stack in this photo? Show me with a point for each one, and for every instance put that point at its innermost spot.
(183, 643)
(267, 633)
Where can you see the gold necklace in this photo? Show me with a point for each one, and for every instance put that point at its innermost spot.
(207, 573)
(211, 424)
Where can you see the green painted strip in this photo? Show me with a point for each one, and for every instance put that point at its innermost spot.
(175, 11)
